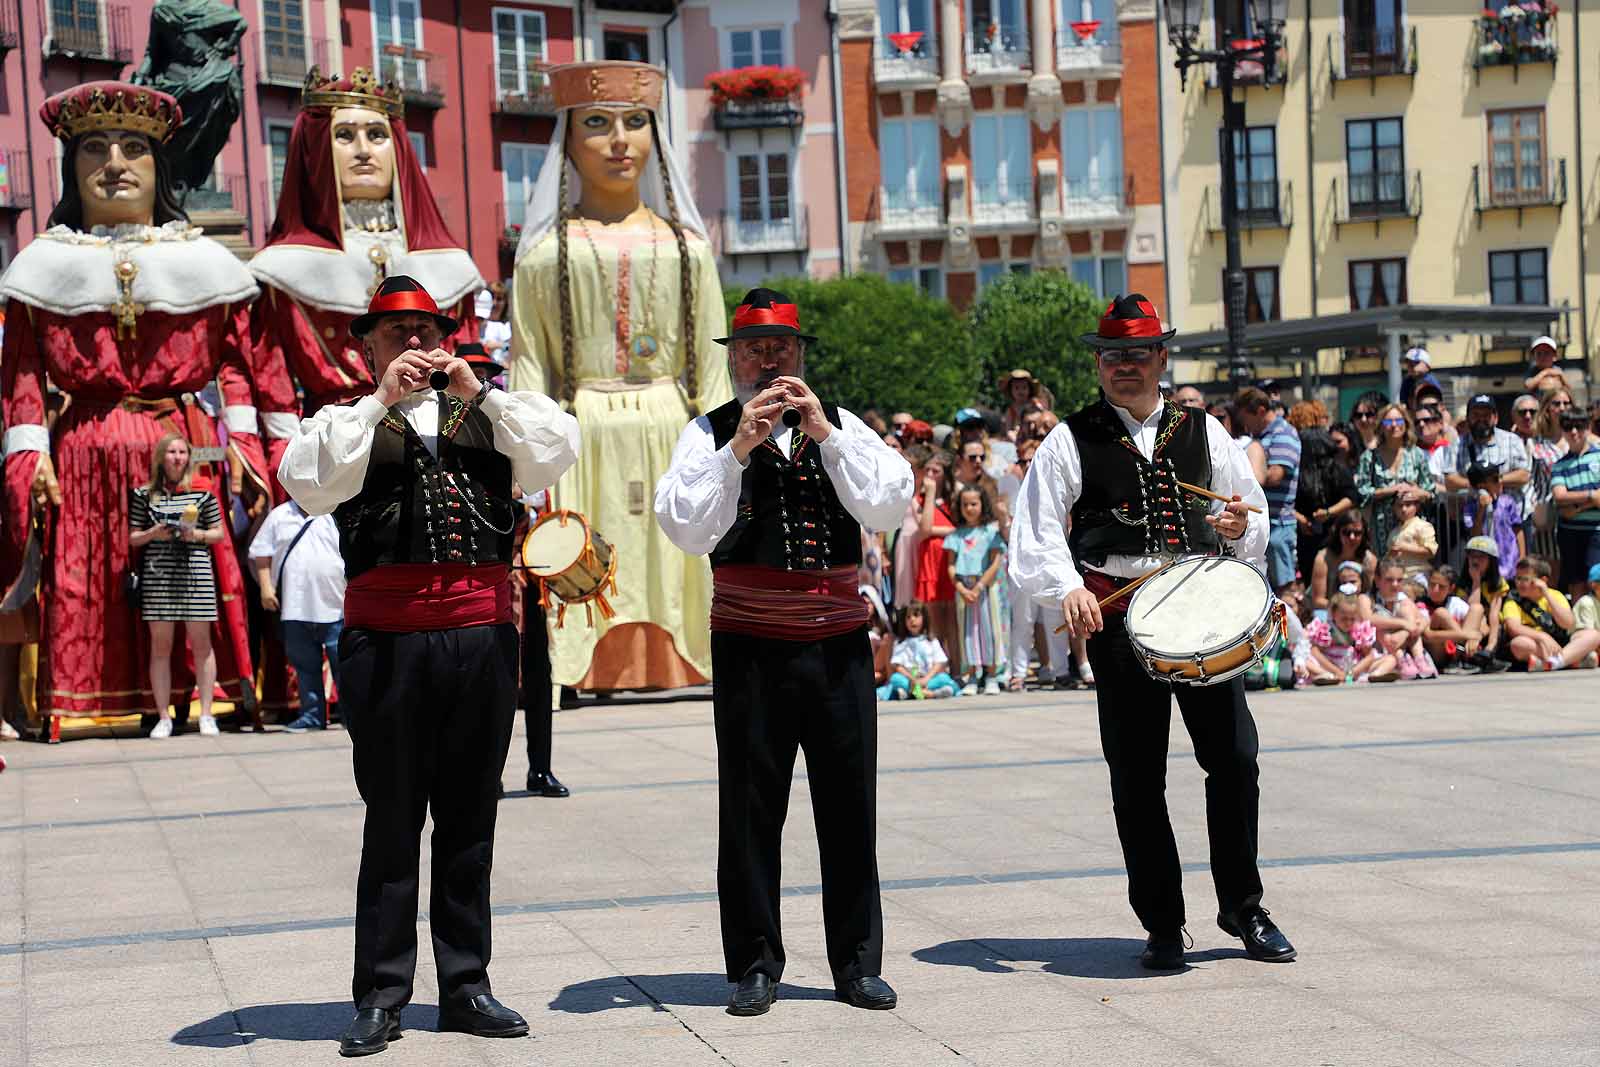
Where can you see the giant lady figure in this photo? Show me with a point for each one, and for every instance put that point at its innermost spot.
(616, 304)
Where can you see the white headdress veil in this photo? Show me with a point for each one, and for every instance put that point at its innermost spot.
(544, 207)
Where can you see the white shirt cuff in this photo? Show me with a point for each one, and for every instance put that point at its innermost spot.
(494, 404)
(240, 418)
(280, 424)
(27, 437)
(371, 411)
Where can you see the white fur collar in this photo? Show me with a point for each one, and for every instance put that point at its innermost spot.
(331, 280)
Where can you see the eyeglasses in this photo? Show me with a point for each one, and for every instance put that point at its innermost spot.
(1391, 423)
(1527, 413)
(1559, 404)
(1133, 357)
(1365, 415)
(1428, 419)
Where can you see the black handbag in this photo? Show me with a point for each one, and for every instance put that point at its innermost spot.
(133, 589)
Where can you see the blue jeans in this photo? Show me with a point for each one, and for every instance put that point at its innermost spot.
(1280, 555)
(304, 643)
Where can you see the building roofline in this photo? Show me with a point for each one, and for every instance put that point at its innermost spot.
(1372, 326)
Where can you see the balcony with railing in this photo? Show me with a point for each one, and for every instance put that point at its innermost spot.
(997, 53)
(1371, 53)
(225, 192)
(407, 67)
(86, 31)
(1083, 51)
(286, 59)
(758, 114)
(1513, 36)
(910, 209)
(763, 236)
(905, 61)
(1258, 205)
(16, 180)
(1518, 186)
(1003, 203)
(534, 101)
(1096, 199)
(1377, 196)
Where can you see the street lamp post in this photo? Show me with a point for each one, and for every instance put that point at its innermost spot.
(1236, 48)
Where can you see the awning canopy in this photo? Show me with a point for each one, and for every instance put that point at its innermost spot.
(1372, 327)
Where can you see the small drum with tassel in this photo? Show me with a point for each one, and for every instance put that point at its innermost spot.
(569, 559)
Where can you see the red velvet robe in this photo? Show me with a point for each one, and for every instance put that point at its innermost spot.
(94, 650)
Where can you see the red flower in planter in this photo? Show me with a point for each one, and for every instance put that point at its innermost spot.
(755, 83)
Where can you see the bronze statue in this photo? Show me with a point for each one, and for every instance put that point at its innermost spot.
(193, 57)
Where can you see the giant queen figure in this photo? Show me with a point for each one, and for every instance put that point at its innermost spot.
(127, 309)
(615, 306)
(355, 207)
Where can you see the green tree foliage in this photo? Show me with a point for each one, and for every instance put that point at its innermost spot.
(881, 344)
(1033, 321)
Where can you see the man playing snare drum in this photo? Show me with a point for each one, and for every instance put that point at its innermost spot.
(1114, 467)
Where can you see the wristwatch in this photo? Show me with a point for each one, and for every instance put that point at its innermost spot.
(483, 391)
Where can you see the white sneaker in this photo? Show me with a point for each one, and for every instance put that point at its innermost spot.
(991, 687)
(208, 725)
(162, 731)
(970, 689)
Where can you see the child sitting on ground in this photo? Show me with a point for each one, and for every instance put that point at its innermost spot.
(921, 668)
(1413, 542)
(1455, 631)
(1543, 628)
(1344, 646)
(1399, 624)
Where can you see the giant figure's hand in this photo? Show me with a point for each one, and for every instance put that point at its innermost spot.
(46, 490)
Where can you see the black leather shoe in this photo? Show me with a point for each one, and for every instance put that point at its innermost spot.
(546, 785)
(370, 1032)
(482, 1016)
(754, 996)
(868, 991)
(1262, 939)
(1163, 952)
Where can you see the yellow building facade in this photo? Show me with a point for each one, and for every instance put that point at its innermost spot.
(1422, 153)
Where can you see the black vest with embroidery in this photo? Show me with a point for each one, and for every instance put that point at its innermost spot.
(413, 508)
(790, 516)
(1131, 506)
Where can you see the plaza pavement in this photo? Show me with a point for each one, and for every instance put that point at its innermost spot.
(1433, 849)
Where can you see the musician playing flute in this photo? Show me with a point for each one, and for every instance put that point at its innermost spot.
(1114, 468)
(418, 477)
(779, 505)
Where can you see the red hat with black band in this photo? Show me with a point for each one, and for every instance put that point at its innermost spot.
(477, 357)
(765, 313)
(396, 296)
(1129, 322)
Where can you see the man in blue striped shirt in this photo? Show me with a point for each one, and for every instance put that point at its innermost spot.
(1575, 484)
(1282, 445)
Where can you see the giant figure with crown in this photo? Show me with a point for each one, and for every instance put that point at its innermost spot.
(354, 208)
(616, 307)
(125, 307)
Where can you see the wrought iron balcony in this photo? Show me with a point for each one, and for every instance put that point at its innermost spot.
(760, 114)
(1377, 197)
(742, 237)
(914, 66)
(228, 192)
(1365, 52)
(16, 180)
(288, 57)
(1258, 205)
(1513, 187)
(79, 30)
(1084, 199)
(910, 209)
(1512, 40)
(536, 101)
(408, 68)
(999, 53)
(1092, 57)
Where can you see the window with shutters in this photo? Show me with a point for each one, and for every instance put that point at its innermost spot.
(1517, 156)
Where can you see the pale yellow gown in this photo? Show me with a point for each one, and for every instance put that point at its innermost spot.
(630, 412)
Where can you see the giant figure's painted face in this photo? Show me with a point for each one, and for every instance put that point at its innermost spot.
(363, 153)
(609, 146)
(116, 175)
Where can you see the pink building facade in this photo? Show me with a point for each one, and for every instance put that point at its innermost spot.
(764, 177)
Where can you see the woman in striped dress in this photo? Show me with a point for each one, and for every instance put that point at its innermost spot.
(176, 525)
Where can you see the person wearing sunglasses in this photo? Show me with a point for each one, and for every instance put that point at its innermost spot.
(1106, 473)
(1364, 417)
(1434, 439)
(1396, 467)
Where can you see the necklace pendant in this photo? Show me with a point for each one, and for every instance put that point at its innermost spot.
(644, 346)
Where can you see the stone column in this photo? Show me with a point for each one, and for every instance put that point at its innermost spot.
(955, 99)
(1044, 88)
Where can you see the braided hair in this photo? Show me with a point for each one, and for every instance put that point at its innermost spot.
(564, 289)
(691, 372)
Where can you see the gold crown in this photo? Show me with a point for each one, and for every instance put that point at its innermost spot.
(112, 106)
(361, 89)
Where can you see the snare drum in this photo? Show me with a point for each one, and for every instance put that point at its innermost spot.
(1203, 620)
(571, 560)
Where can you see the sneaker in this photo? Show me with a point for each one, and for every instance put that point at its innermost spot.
(970, 689)
(991, 687)
(163, 729)
(1086, 674)
(1589, 662)
(8, 732)
(208, 726)
(1066, 681)
(302, 724)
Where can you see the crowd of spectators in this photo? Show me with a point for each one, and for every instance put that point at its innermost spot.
(1407, 540)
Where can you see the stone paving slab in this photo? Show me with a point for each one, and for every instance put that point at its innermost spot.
(1433, 850)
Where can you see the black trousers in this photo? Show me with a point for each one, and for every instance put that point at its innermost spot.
(1135, 719)
(770, 698)
(430, 716)
(538, 711)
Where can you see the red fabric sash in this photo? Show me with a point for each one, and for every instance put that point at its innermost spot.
(1150, 326)
(412, 597)
(777, 315)
(787, 605)
(1102, 586)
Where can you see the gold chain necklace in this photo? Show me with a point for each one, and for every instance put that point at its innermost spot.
(644, 343)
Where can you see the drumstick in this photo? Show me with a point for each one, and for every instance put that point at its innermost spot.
(1125, 589)
(1216, 496)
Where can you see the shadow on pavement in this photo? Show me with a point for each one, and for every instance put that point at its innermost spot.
(290, 1022)
(1074, 957)
(658, 990)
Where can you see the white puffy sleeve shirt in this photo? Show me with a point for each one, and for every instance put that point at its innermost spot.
(326, 462)
(1042, 564)
(697, 500)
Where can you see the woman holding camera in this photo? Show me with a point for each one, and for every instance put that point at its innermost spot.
(176, 525)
